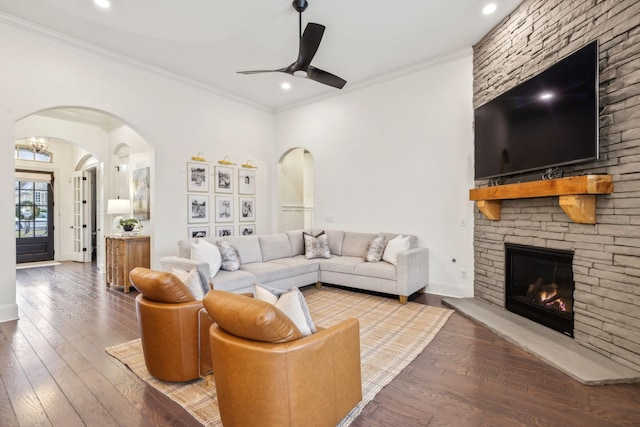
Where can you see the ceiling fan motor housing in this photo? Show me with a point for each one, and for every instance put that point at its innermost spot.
(300, 5)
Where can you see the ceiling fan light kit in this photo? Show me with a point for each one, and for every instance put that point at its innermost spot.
(309, 43)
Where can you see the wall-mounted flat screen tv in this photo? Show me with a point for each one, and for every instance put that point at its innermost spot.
(547, 121)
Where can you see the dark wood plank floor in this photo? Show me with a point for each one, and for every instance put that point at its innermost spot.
(54, 370)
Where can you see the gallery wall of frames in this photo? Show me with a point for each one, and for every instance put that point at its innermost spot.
(220, 200)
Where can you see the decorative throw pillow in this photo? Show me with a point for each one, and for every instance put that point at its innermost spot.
(376, 248)
(203, 250)
(316, 246)
(192, 281)
(291, 303)
(394, 247)
(229, 254)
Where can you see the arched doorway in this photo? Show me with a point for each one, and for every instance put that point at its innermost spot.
(91, 150)
(296, 190)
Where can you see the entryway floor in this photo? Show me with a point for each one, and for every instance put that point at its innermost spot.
(36, 264)
(560, 351)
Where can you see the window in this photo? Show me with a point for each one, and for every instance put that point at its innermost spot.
(24, 152)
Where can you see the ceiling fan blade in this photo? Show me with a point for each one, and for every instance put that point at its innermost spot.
(309, 44)
(326, 78)
(258, 71)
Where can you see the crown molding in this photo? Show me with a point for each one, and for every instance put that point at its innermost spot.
(121, 59)
(392, 75)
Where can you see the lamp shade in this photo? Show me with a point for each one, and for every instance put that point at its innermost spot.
(118, 206)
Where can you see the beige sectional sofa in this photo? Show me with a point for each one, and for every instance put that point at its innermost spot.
(278, 260)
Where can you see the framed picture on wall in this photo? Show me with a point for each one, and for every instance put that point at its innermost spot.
(198, 208)
(246, 181)
(223, 181)
(195, 232)
(141, 193)
(224, 230)
(247, 229)
(247, 209)
(197, 177)
(224, 208)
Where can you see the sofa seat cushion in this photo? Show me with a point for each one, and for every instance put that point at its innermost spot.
(232, 280)
(266, 272)
(343, 264)
(381, 270)
(298, 265)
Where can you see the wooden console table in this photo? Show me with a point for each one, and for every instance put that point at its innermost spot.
(124, 253)
(577, 195)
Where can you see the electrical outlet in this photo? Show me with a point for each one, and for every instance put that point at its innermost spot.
(463, 222)
(463, 274)
(329, 218)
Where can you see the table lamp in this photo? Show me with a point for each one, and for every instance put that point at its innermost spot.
(118, 207)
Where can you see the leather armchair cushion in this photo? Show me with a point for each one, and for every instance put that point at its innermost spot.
(160, 286)
(249, 318)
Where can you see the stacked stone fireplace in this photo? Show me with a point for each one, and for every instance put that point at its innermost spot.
(606, 256)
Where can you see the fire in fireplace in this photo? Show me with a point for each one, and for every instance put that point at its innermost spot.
(539, 285)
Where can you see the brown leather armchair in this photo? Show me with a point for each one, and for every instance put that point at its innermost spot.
(268, 374)
(174, 326)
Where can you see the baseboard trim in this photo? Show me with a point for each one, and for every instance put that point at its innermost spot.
(449, 290)
(8, 312)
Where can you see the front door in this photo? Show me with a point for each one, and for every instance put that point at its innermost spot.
(34, 216)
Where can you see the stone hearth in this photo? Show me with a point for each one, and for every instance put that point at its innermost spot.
(560, 351)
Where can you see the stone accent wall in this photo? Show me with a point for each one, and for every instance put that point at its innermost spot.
(607, 255)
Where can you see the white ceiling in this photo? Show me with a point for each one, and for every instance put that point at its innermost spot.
(205, 42)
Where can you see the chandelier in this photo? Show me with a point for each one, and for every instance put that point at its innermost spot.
(39, 145)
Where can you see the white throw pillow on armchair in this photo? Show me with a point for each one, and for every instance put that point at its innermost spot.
(394, 247)
(291, 303)
(208, 252)
(192, 281)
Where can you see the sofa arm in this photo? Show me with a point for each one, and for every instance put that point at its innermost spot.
(170, 262)
(413, 270)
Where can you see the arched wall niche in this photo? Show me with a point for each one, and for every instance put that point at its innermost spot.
(295, 189)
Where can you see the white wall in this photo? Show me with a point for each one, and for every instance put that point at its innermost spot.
(397, 157)
(176, 119)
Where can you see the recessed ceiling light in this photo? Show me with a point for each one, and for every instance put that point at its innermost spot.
(489, 9)
(105, 4)
(546, 95)
(285, 85)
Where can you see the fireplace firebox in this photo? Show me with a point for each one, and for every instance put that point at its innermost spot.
(539, 285)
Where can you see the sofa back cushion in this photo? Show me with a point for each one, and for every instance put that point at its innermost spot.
(356, 244)
(275, 246)
(250, 318)
(184, 245)
(335, 239)
(296, 241)
(248, 248)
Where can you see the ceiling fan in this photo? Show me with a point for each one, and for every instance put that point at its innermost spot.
(309, 43)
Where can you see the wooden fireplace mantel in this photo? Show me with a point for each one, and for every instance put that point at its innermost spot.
(577, 195)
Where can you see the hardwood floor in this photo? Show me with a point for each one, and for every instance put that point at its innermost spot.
(54, 370)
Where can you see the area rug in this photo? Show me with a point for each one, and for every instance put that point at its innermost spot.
(391, 336)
